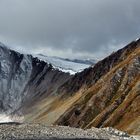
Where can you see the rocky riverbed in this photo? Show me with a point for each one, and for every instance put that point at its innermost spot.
(15, 131)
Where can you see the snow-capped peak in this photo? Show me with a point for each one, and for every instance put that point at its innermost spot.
(137, 39)
(71, 66)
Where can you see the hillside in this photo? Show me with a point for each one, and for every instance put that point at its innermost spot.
(104, 95)
(111, 95)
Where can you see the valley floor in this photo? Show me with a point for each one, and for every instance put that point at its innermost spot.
(16, 131)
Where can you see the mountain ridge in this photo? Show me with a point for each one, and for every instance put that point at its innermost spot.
(106, 94)
(107, 103)
(74, 106)
(22, 75)
(91, 74)
(71, 66)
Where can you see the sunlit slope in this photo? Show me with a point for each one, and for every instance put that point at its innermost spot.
(114, 100)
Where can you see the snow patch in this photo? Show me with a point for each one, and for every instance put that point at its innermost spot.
(7, 118)
(137, 39)
(63, 64)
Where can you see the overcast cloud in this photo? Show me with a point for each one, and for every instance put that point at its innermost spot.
(69, 28)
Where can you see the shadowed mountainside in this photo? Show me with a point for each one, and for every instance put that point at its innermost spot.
(24, 79)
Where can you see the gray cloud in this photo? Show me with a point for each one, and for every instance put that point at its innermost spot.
(72, 28)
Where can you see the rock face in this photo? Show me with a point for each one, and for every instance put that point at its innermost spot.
(24, 79)
(111, 93)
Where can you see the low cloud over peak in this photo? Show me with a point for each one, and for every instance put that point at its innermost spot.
(69, 28)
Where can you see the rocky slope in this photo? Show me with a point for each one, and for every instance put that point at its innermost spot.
(111, 93)
(25, 80)
(100, 96)
(91, 75)
(104, 95)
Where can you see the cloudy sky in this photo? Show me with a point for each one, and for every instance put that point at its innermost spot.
(69, 28)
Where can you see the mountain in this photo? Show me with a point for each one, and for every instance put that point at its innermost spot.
(106, 94)
(25, 79)
(67, 65)
(110, 93)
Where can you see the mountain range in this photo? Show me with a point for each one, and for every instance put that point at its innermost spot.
(71, 66)
(36, 89)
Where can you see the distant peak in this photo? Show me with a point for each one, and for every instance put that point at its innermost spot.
(137, 39)
(2, 45)
(41, 55)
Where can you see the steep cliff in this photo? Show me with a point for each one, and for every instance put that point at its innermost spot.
(25, 80)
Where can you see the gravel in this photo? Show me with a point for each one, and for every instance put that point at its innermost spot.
(43, 132)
